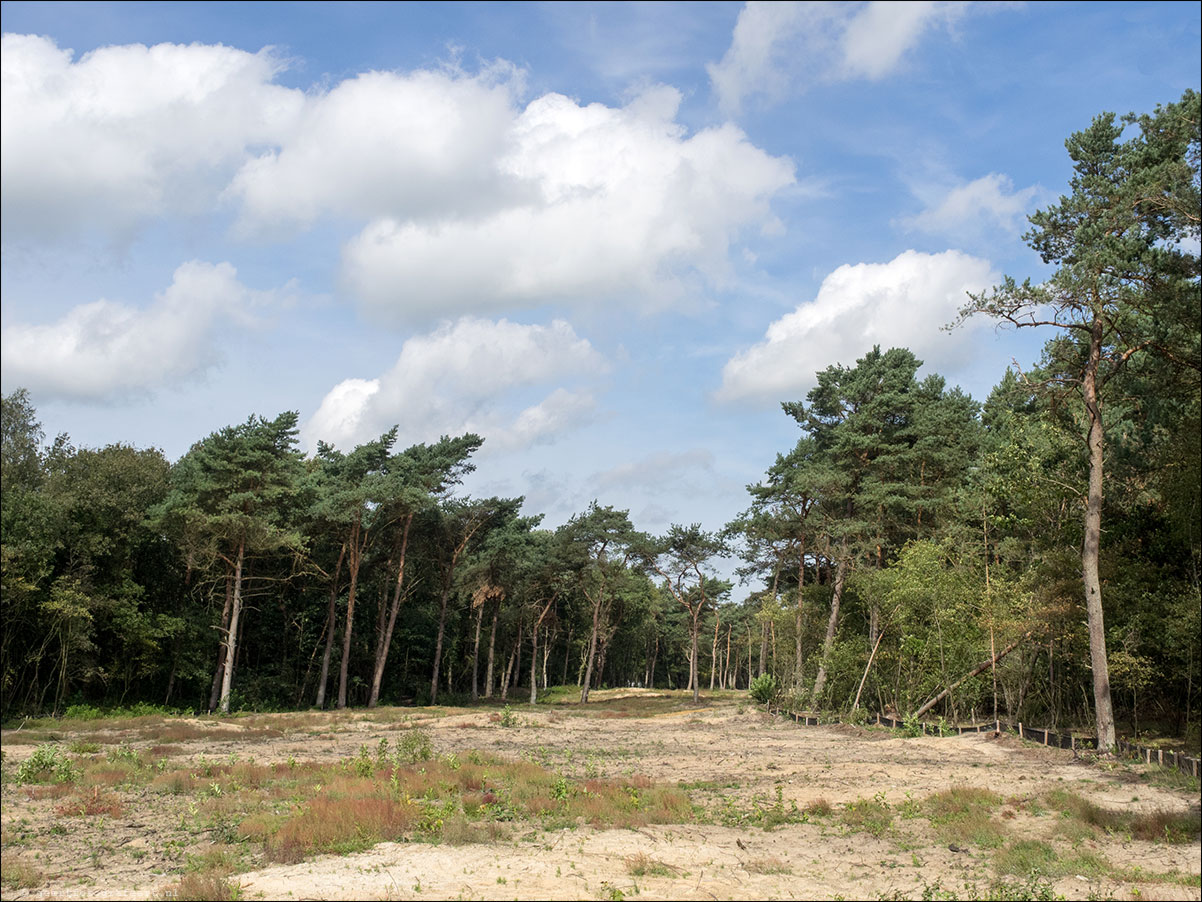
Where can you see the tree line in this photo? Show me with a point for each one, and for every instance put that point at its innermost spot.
(1036, 556)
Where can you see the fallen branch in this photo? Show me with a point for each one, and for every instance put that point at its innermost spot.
(989, 662)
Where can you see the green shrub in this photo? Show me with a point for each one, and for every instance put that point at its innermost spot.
(47, 765)
(764, 688)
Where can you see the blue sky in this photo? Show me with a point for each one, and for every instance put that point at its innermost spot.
(611, 238)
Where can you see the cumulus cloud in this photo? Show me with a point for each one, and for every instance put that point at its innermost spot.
(467, 376)
(421, 144)
(465, 200)
(778, 46)
(105, 349)
(902, 303)
(987, 202)
(609, 203)
(128, 133)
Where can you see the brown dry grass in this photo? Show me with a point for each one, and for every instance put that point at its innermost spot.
(203, 887)
(91, 805)
(17, 872)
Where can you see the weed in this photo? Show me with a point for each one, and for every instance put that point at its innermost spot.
(871, 815)
(47, 765)
(17, 873)
(414, 746)
(643, 865)
(90, 806)
(509, 718)
(203, 887)
(962, 815)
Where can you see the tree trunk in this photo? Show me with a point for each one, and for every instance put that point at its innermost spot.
(694, 668)
(331, 623)
(534, 651)
(215, 691)
(231, 635)
(1104, 712)
(828, 643)
(798, 661)
(355, 560)
(442, 629)
(489, 672)
(587, 679)
(476, 655)
(714, 653)
(385, 642)
(650, 681)
(534, 664)
(980, 668)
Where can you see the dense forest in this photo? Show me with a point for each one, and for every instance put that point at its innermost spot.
(1036, 556)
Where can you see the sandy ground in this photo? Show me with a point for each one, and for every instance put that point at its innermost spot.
(737, 752)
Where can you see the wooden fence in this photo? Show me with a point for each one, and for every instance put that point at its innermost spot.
(1185, 763)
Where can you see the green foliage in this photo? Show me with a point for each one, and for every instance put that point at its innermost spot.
(414, 746)
(764, 689)
(47, 765)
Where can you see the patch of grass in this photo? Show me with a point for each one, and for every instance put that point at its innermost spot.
(17, 872)
(1026, 857)
(963, 814)
(91, 805)
(643, 865)
(767, 866)
(819, 808)
(1172, 778)
(761, 812)
(341, 824)
(1035, 859)
(870, 815)
(204, 887)
(1158, 825)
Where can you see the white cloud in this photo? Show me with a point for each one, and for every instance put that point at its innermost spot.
(778, 47)
(465, 200)
(613, 203)
(465, 376)
(902, 303)
(105, 349)
(421, 145)
(987, 203)
(125, 134)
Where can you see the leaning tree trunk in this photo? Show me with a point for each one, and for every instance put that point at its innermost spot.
(215, 691)
(1104, 712)
(231, 636)
(587, 680)
(828, 643)
(385, 641)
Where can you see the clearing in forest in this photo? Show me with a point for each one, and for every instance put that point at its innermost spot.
(641, 794)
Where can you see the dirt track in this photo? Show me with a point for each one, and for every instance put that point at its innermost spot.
(727, 754)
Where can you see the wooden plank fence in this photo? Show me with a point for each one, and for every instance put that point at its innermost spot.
(1185, 763)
